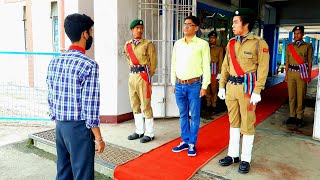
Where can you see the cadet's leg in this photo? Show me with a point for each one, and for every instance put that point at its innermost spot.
(292, 91)
(135, 105)
(234, 118)
(301, 94)
(214, 93)
(147, 111)
(208, 96)
(248, 118)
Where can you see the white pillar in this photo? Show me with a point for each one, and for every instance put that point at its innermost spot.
(111, 31)
(81, 7)
(316, 126)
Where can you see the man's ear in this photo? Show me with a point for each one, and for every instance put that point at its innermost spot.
(85, 35)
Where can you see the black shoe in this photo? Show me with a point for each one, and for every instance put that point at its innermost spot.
(244, 167)
(135, 136)
(300, 123)
(291, 120)
(227, 161)
(146, 139)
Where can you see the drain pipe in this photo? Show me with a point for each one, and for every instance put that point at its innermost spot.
(61, 26)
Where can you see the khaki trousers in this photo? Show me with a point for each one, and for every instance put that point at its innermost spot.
(138, 96)
(212, 93)
(297, 93)
(238, 109)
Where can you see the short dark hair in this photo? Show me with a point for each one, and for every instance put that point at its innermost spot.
(75, 24)
(248, 20)
(194, 19)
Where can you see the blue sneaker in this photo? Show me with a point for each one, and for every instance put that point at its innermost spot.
(192, 150)
(182, 146)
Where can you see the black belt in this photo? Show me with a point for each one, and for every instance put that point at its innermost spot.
(135, 69)
(236, 79)
(295, 67)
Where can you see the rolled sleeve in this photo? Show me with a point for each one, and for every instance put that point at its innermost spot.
(206, 66)
(91, 98)
(173, 66)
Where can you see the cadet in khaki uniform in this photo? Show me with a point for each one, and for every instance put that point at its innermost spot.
(216, 53)
(298, 75)
(243, 74)
(142, 62)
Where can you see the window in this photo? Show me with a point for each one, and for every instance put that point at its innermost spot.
(55, 26)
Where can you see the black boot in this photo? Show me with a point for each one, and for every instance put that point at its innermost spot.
(290, 120)
(300, 123)
(227, 161)
(244, 167)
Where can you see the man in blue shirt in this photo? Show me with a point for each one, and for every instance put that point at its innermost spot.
(74, 102)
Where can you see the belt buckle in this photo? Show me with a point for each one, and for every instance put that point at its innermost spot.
(184, 81)
(239, 80)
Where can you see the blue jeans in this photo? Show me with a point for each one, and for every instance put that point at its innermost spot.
(188, 99)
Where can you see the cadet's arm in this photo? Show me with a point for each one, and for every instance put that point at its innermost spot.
(224, 69)
(263, 67)
(153, 58)
(310, 54)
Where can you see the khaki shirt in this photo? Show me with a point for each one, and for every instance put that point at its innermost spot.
(216, 54)
(305, 51)
(145, 53)
(252, 55)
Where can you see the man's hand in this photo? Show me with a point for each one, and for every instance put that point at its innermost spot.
(286, 78)
(222, 93)
(203, 92)
(255, 98)
(100, 145)
(218, 77)
(173, 89)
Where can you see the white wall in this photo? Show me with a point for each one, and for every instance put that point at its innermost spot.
(12, 29)
(316, 127)
(124, 34)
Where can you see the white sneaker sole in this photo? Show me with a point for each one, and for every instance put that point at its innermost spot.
(192, 155)
(180, 150)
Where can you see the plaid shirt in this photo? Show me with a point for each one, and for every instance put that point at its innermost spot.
(74, 88)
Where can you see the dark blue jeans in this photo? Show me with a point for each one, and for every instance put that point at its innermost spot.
(188, 99)
(75, 151)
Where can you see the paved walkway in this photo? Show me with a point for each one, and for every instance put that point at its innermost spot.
(279, 152)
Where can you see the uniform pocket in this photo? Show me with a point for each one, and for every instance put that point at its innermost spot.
(249, 59)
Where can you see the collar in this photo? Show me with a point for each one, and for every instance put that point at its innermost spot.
(212, 45)
(241, 39)
(78, 48)
(193, 39)
(131, 40)
(301, 42)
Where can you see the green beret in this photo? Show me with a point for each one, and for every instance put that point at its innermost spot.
(244, 12)
(298, 28)
(135, 23)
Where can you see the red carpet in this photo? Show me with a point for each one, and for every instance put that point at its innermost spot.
(162, 164)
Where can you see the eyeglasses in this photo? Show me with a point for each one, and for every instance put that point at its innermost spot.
(188, 24)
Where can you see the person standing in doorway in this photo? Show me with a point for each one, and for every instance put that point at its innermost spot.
(244, 74)
(74, 102)
(298, 74)
(142, 61)
(216, 54)
(190, 77)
